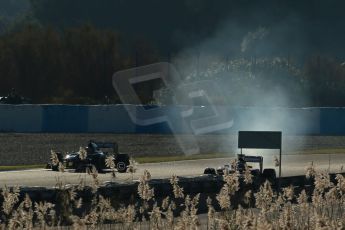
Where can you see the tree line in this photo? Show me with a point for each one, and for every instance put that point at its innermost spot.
(72, 66)
(76, 66)
(61, 51)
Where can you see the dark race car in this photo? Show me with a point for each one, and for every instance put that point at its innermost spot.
(241, 163)
(93, 155)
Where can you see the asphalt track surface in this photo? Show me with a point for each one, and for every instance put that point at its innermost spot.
(291, 165)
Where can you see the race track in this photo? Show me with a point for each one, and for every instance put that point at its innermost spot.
(291, 165)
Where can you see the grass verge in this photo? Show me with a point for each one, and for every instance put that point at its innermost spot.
(20, 167)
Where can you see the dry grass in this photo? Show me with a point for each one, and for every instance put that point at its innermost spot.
(324, 209)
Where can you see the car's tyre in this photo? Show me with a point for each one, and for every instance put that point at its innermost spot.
(94, 166)
(122, 162)
(80, 168)
(255, 172)
(270, 175)
(48, 165)
(55, 167)
(99, 164)
(121, 166)
(210, 171)
(60, 158)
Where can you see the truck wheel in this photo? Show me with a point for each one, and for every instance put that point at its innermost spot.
(270, 175)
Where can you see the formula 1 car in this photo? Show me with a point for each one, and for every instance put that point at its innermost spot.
(267, 174)
(94, 157)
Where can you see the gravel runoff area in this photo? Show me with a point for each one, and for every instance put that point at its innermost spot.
(34, 148)
(19, 148)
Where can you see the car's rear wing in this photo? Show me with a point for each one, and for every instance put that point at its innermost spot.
(253, 159)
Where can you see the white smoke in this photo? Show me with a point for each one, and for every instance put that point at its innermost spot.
(252, 37)
(263, 84)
